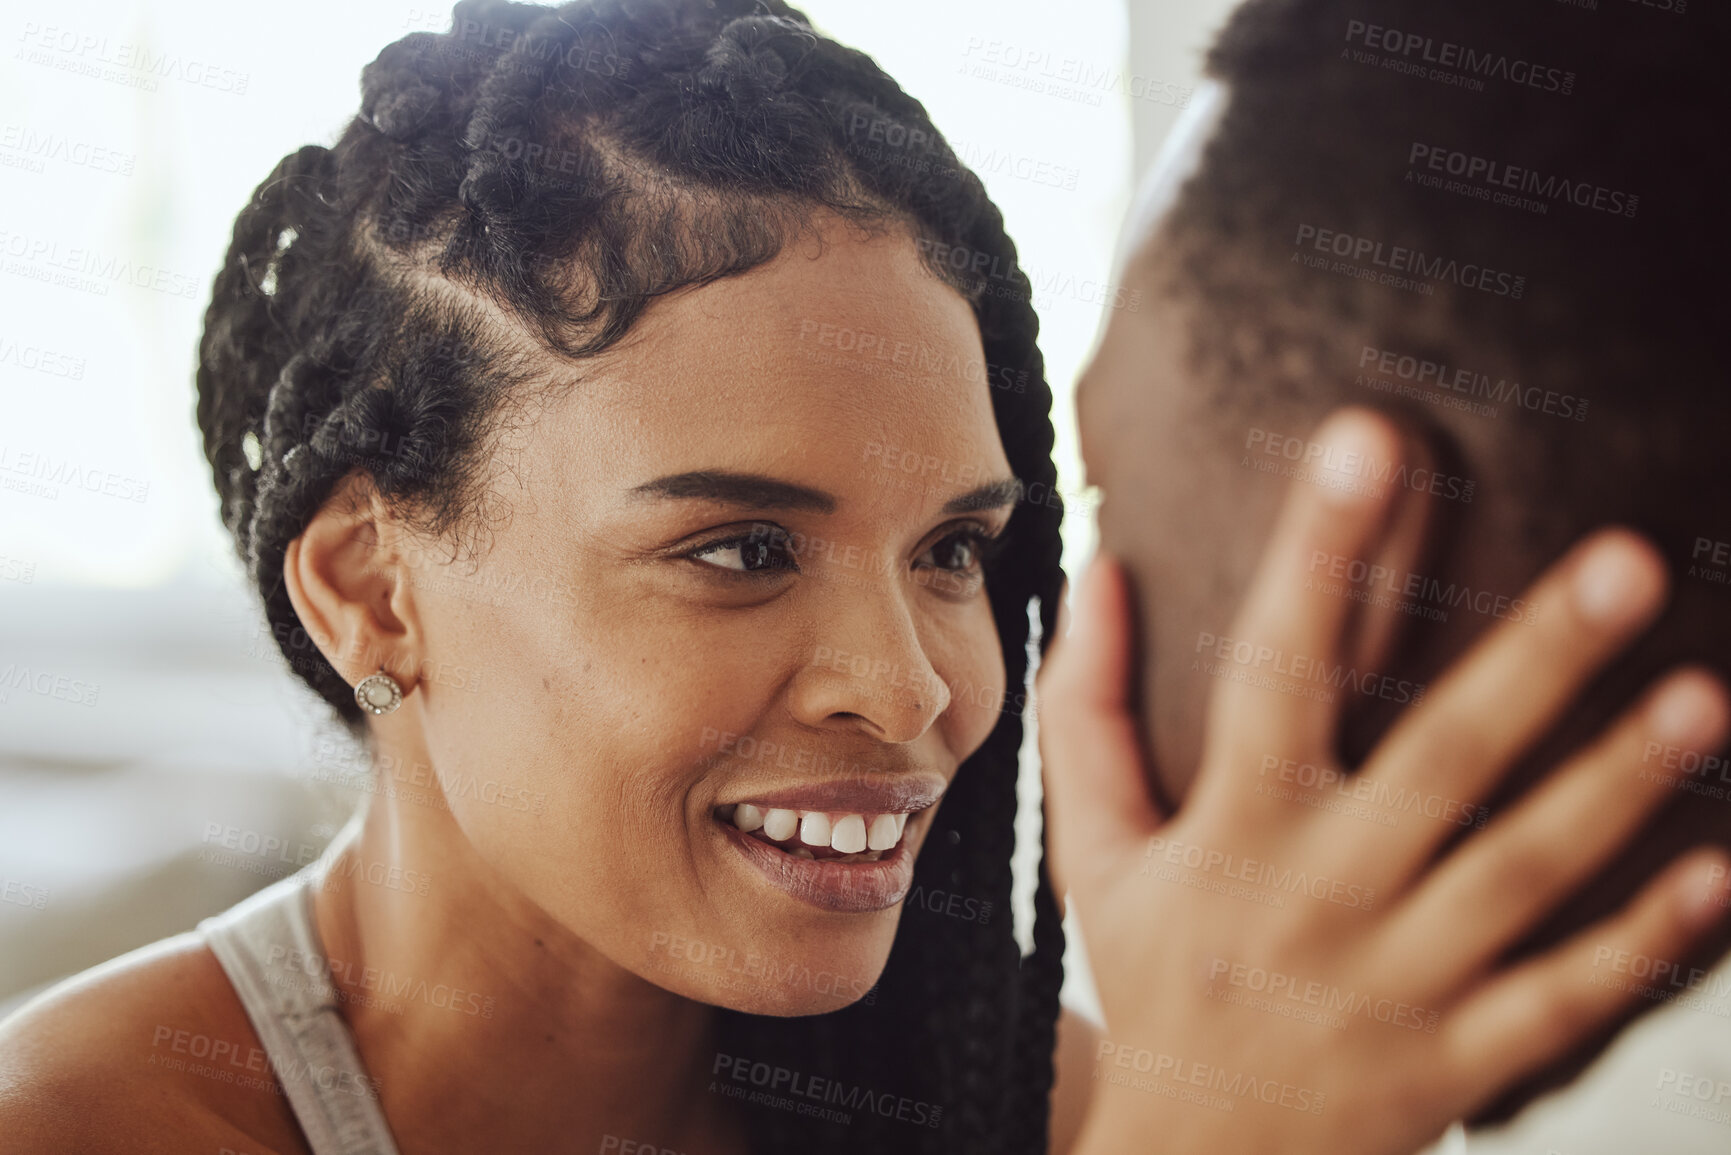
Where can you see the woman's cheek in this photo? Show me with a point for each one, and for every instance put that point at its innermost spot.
(973, 668)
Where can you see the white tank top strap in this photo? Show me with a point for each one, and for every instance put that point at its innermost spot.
(269, 946)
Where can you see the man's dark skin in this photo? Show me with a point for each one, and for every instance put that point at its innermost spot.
(1168, 445)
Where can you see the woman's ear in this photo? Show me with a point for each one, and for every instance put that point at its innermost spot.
(348, 584)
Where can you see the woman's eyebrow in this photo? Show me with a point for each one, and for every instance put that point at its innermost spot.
(751, 490)
(758, 491)
(992, 495)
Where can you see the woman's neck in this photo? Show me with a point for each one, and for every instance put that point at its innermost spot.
(488, 1026)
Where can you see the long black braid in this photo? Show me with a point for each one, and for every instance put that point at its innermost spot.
(531, 180)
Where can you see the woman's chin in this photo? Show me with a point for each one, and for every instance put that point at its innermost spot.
(783, 981)
(789, 1005)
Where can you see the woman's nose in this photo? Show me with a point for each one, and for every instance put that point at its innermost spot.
(870, 671)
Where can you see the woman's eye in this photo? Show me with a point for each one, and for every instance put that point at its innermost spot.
(958, 553)
(763, 551)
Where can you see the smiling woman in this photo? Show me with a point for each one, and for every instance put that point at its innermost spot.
(657, 481)
(552, 313)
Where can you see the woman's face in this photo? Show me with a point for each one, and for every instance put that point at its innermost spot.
(733, 626)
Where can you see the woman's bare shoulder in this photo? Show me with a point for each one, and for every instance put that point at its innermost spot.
(149, 1052)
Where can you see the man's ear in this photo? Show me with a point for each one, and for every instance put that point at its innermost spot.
(348, 584)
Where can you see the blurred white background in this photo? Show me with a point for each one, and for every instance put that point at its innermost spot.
(141, 706)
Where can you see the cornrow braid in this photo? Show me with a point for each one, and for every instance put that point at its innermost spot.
(528, 182)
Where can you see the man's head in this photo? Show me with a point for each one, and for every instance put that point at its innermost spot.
(1499, 223)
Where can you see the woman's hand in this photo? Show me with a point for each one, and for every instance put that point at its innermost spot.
(1279, 977)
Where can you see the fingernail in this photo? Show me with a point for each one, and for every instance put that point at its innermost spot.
(1616, 585)
(1351, 445)
(1689, 712)
(1086, 600)
(1702, 892)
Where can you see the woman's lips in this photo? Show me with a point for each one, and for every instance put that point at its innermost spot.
(846, 887)
(837, 845)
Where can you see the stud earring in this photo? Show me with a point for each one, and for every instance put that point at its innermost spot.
(378, 693)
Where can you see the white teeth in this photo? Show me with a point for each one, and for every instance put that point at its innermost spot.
(780, 824)
(802, 852)
(855, 836)
(849, 835)
(814, 828)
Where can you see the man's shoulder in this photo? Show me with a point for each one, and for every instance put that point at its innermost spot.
(149, 1052)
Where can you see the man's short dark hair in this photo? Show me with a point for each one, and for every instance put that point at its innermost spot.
(1531, 191)
(1504, 219)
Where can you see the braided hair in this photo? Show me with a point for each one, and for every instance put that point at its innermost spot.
(529, 181)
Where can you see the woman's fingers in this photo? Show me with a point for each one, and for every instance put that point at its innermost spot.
(1536, 1011)
(1493, 888)
(1512, 686)
(1278, 694)
(1097, 800)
